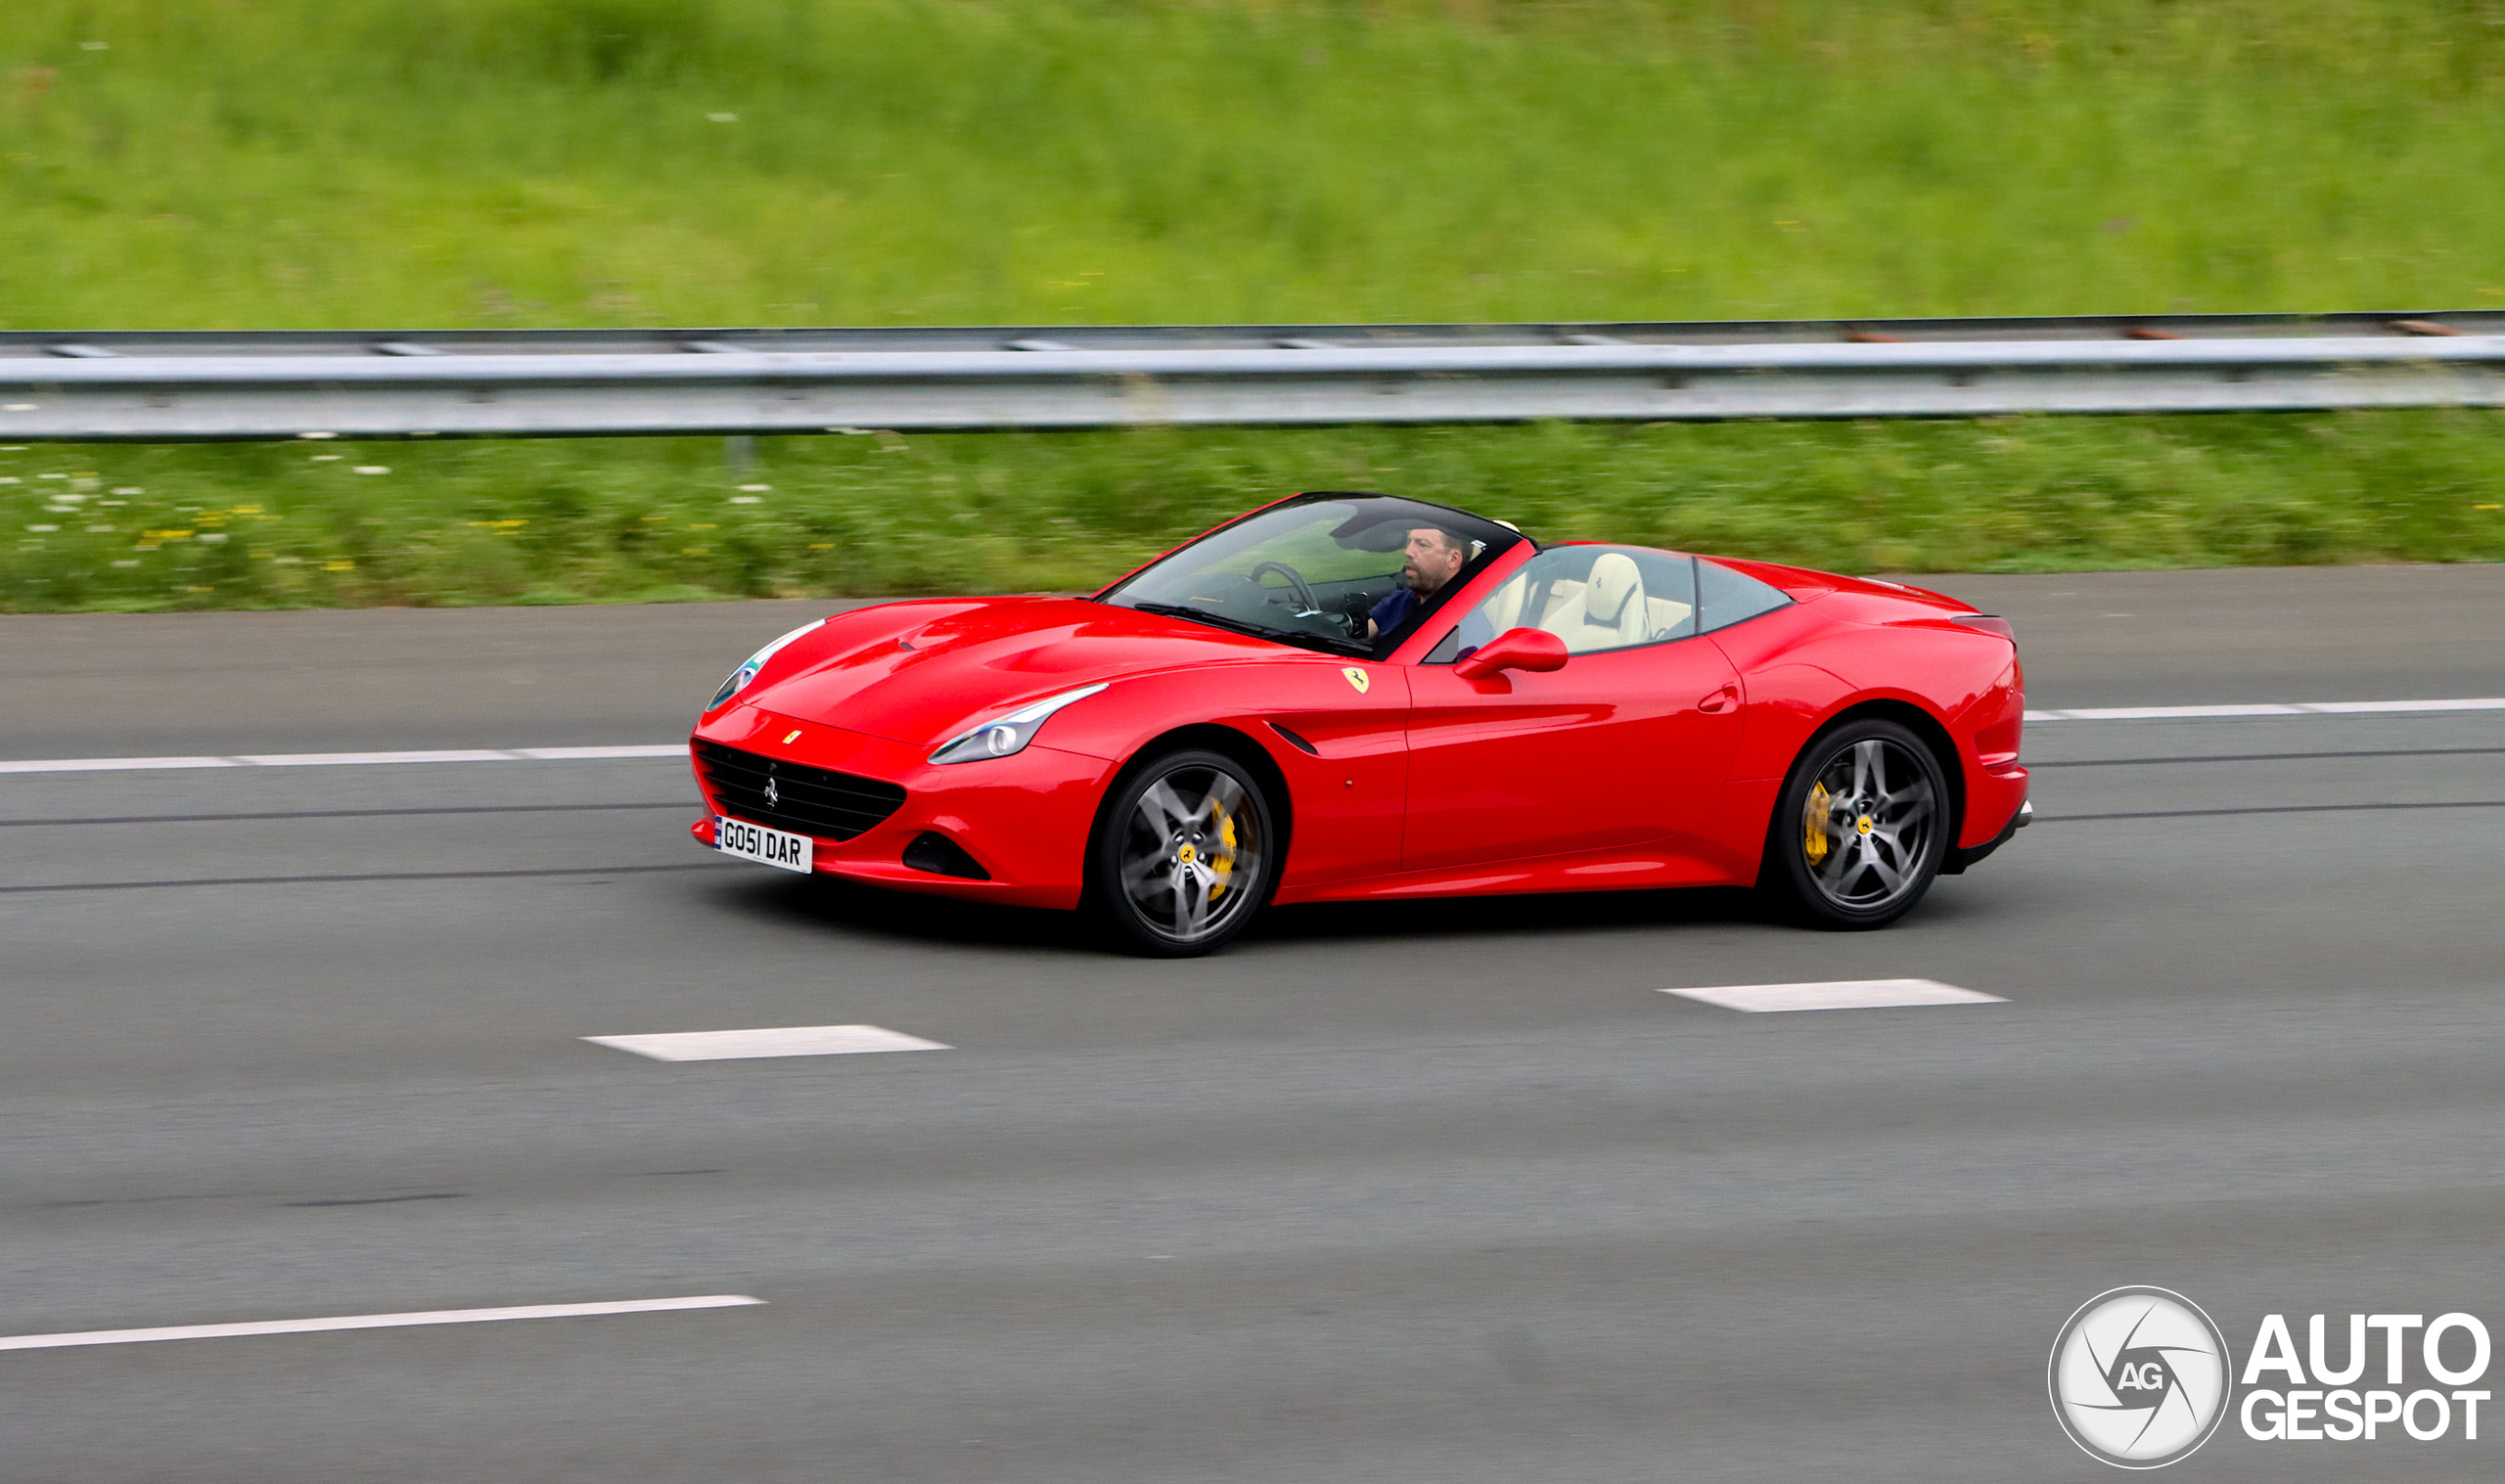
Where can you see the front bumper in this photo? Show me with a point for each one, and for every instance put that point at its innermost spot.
(1024, 818)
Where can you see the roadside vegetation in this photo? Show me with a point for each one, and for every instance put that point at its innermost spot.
(171, 163)
(287, 525)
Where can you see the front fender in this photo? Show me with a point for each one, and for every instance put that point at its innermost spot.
(1341, 751)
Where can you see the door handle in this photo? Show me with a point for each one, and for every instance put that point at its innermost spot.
(1720, 700)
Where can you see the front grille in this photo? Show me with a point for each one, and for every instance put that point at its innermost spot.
(811, 801)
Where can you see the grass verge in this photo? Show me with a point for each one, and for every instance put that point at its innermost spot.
(409, 162)
(92, 527)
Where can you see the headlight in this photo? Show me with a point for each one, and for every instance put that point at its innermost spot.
(748, 671)
(1002, 736)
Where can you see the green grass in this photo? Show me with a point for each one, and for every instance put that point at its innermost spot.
(422, 163)
(291, 524)
(246, 162)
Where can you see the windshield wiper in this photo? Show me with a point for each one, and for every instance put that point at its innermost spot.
(1301, 638)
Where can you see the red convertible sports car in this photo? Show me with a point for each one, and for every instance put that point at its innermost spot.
(1349, 696)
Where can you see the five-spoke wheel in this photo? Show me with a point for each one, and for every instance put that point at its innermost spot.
(1183, 854)
(1862, 828)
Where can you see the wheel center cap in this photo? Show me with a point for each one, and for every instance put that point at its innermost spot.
(1864, 824)
(1187, 854)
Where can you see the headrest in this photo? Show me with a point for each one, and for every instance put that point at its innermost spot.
(1505, 607)
(1614, 580)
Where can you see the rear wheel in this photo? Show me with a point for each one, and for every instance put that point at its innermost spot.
(1860, 828)
(1183, 855)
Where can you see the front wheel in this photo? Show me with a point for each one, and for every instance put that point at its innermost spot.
(1184, 854)
(1860, 828)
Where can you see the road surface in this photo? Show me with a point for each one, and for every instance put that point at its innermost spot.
(1437, 1193)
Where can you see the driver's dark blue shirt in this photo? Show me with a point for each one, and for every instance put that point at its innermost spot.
(1393, 611)
(1402, 605)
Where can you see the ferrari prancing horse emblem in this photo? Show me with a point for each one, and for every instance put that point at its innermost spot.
(1358, 678)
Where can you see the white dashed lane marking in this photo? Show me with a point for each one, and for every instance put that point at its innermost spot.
(780, 1041)
(679, 749)
(2270, 708)
(372, 1322)
(1836, 994)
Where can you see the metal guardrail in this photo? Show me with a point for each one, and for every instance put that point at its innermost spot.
(171, 386)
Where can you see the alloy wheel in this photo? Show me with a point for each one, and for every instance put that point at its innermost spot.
(1867, 825)
(1193, 854)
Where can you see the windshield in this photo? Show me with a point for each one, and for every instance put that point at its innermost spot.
(1352, 573)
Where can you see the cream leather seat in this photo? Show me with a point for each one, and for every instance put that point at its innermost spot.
(1503, 608)
(1613, 613)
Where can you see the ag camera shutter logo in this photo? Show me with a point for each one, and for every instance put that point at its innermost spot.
(2139, 1378)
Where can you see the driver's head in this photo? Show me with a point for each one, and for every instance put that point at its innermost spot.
(1432, 557)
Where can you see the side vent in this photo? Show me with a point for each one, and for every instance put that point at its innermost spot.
(1295, 741)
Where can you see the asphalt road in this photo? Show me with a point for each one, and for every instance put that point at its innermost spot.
(1442, 1192)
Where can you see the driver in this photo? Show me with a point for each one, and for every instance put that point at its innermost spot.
(1432, 557)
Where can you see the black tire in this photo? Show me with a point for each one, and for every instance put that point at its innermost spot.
(1860, 830)
(1185, 852)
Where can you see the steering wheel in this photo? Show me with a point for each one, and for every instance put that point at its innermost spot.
(1295, 580)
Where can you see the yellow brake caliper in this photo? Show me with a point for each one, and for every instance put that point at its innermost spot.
(1813, 821)
(1222, 860)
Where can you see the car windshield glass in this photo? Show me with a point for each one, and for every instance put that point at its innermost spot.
(1322, 572)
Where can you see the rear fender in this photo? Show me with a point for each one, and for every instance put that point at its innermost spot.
(1951, 685)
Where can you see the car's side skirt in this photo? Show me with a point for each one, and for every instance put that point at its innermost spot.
(1639, 867)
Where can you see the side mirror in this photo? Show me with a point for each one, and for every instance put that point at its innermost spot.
(1514, 650)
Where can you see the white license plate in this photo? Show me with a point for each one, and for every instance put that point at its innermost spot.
(767, 847)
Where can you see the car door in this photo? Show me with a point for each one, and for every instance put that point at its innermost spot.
(1625, 745)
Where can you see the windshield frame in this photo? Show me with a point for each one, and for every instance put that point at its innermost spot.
(1496, 541)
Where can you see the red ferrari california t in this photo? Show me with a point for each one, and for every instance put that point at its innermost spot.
(1347, 696)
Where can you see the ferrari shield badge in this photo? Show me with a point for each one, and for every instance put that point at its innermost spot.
(1358, 678)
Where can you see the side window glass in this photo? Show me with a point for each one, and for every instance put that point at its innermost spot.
(1729, 597)
(1595, 597)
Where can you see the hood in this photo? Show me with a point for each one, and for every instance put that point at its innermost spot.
(936, 679)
